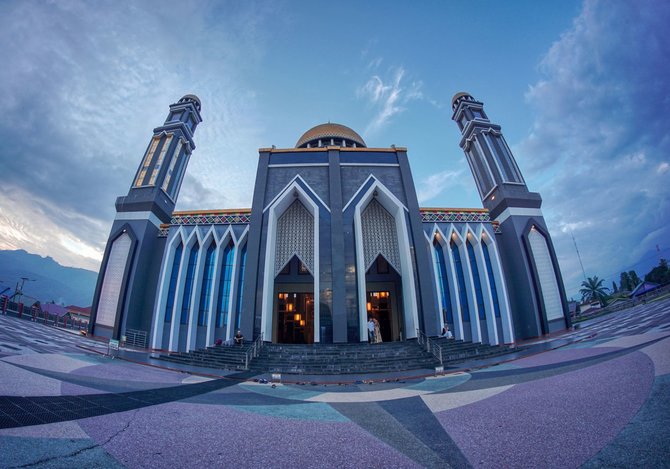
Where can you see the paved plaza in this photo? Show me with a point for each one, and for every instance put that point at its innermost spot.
(602, 400)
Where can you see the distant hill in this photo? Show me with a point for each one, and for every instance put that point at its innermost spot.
(53, 281)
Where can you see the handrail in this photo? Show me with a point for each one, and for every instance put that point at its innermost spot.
(431, 346)
(253, 351)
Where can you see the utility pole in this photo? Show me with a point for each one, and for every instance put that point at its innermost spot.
(578, 256)
(19, 291)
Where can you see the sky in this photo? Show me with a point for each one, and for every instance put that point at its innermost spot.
(581, 90)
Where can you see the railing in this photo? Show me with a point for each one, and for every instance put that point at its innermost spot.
(136, 338)
(253, 351)
(431, 346)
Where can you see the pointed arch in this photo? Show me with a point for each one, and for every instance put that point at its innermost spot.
(466, 292)
(483, 294)
(377, 191)
(496, 279)
(296, 190)
(172, 261)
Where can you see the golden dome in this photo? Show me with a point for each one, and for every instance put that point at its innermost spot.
(330, 131)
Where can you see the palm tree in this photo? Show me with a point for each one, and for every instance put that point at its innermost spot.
(593, 290)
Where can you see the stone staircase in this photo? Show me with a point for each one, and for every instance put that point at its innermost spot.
(329, 359)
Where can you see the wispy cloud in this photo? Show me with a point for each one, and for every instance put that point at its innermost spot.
(388, 96)
(80, 101)
(600, 136)
(435, 184)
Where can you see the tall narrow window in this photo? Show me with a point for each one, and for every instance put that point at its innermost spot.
(476, 280)
(147, 160)
(492, 281)
(173, 162)
(188, 287)
(159, 162)
(207, 281)
(462, 294)
(224, 286)
(441, 268)
(172, 290)
(240, 285)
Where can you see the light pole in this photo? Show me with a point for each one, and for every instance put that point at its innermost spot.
(19, 291)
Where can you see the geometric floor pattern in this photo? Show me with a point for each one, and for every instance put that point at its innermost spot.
(603, 401)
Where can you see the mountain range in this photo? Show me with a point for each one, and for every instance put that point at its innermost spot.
(48, 280)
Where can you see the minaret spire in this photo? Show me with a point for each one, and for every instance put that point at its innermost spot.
(527, 252)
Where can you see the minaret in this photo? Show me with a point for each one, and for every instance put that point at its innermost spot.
(124, 294)
(535, 285)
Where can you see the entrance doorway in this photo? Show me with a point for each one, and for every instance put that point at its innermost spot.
(295, 318)
(379, 308)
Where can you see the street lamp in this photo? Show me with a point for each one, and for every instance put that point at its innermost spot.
(19, 291)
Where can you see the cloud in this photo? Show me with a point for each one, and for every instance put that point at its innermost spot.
(80, 102)
(599, 145)
(388, 97)
(435, 184)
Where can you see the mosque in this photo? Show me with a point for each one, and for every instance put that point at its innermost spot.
(334, 236)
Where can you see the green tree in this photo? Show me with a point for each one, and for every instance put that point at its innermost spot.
(634, 279)
(614, 287)
(593, 290)
(659, 274)
(624, 282)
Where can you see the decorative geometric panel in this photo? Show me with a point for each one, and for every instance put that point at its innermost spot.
(214, 218)
(113, 280)
(379, 235)
(295, 237)
(433, 215)
(546, 275)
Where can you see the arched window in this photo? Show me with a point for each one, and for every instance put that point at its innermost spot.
(462, 294)
(476, 280)
(240, 285)
(207, 281)
(188, 287)
(172, 290)
(224, 285)
(441, 266)
(492, 281)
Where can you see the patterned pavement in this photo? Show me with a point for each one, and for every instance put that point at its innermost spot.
(602, 401)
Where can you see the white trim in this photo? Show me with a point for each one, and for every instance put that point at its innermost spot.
(233, 300)
(396, 201)
(290, 185)
(276, 208)
(484, 160)
(147, 215)
(297, 165)
(381, 165)
(518, 211)
(395, 208)
(163, 289)
(192, 321)
(487, 296)
(501, 287)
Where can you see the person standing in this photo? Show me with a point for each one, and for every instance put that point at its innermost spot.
(377, 332)
(371, 331)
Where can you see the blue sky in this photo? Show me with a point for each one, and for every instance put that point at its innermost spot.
(580, 89)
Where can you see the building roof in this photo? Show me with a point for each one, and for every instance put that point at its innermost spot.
(643, 288)
(328, 131)
(78, 309)
(53, 308)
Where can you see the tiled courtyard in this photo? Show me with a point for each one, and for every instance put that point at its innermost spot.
(601, 401)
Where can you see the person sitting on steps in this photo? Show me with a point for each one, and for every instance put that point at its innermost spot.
(239, 338)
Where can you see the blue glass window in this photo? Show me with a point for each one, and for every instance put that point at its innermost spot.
(240, 285)
(173, 282)
(188, 288)
(462, 294)
(492, 281)
(224, 286)
(442, 280)
(476, 280)
(207, 281)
